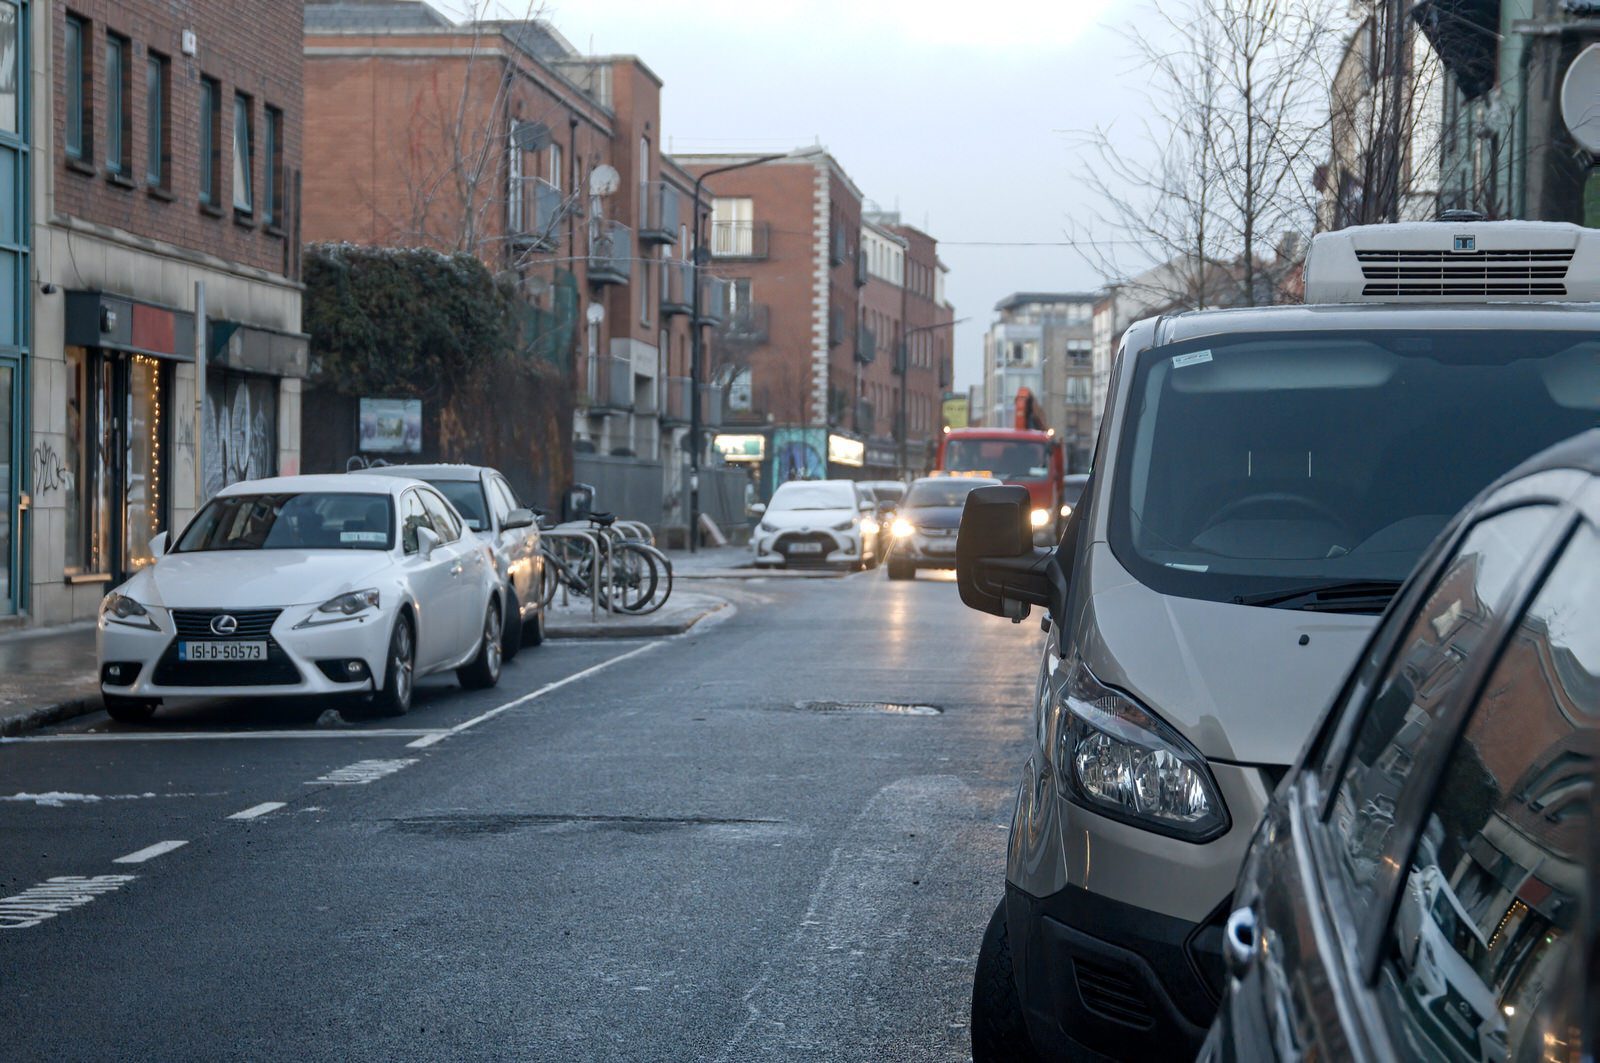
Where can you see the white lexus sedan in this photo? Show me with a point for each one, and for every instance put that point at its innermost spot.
(305, 585)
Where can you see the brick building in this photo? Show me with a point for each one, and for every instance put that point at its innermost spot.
(820, 296)
(165, 153)
(1044, 341)
(553, 176)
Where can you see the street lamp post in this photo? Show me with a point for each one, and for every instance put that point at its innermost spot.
(695, 257)
(903, 356)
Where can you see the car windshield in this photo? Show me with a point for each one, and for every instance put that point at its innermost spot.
(929, 495)
(467, 497)
(1254, 464)
(889, 493)
(1006, 458)
(815, 495)
(299, 521)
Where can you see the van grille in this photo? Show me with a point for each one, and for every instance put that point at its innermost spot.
(1114, 993)
(1530, 272)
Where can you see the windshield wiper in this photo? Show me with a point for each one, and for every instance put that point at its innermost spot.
(1335, 596)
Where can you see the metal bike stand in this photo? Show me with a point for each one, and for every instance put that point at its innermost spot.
(594, 567)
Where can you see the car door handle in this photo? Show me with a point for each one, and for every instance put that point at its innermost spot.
(1239, 941)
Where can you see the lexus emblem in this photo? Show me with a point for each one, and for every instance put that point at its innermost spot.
(224, 624)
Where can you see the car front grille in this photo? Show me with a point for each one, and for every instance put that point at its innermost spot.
(1539, 271)
(938, 533)
(253, 623)
(1113, 992)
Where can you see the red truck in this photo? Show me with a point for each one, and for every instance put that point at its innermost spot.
(1028, 455)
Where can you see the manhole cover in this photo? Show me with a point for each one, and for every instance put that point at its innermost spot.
(891, 708)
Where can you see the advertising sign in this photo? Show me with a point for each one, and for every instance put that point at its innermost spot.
(955, 410)
(842, 450)
(391, 426)
(735, 447)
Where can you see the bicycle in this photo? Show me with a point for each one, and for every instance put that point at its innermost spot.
(635, 576)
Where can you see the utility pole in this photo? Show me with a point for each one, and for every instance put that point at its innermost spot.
(697, 258)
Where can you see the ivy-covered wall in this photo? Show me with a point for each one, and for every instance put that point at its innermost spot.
(493, 374)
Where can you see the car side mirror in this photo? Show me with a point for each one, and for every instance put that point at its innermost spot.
(518, 518)
(758, 508)
(427, 540)
(865, 506)
(158, 544)
(998, 569)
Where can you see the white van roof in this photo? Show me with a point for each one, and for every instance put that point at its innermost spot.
(1455, 261)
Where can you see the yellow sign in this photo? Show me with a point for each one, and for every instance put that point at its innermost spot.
(843, 450)
(955, 411)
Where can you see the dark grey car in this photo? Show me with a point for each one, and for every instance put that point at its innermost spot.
(1423, 884)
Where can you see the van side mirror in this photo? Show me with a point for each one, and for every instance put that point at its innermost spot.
(998, 569)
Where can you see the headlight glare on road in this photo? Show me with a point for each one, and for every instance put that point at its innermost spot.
(902, 528)
(120, 609)
(343, 607)
(1040, 517)
(1119, 760)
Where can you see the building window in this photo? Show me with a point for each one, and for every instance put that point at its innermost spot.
(119, 106)
(79, 90)
(157, 85)
(10, 75)
(644, 297)
(732, 226)
(554, 177)
(243, 155)
(210, 100)
(514, 189)
(272, 152)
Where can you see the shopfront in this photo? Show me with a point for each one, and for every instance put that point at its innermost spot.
(121, 359)
(14, 291)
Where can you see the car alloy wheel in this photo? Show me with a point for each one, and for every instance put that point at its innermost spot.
(491, 641)
(403, 660)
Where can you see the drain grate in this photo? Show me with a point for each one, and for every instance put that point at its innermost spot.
(862, 708)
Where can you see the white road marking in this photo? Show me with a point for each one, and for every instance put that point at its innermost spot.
(55, 895)
(432, 739)
(257, 811)
(150, 852)
(208, 736)
(60, 799)
(362, 772)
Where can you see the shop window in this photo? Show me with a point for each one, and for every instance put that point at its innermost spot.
(10, 29)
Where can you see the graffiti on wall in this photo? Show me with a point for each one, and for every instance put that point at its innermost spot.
(50, 473)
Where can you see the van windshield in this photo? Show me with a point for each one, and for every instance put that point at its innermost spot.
(1006, 458)
(1251, 467)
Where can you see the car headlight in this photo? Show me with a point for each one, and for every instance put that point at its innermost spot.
(768, 528)
(120, 609)
(343, 607)
(1115, 758)
(902, 528)
(1066, 511)
(1040, 517)
(869, 525)
(844, 525)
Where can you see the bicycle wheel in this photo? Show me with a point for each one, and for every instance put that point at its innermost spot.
(663, 588)
(632, 578)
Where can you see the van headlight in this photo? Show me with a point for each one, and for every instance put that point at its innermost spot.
(1115, 758)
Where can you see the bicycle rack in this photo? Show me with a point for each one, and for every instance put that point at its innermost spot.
(593, 539)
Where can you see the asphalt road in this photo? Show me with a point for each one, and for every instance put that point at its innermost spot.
(645, 851)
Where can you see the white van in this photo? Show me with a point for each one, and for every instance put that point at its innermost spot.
(1264, 481)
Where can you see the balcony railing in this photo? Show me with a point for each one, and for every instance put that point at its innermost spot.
(838, 249)
(866, 345)
(740, 239)
(713, 300)
(677, 297)
(835, 326)
(605, 382)
(536, 217)
(710, 406)
(675, 400)
(861, 267)
(745, 326)
(658, 213)
(610, 252)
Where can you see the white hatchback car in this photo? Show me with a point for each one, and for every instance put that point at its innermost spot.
(816, 521)
(305, 585)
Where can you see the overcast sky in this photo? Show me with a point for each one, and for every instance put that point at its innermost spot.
(959, 114)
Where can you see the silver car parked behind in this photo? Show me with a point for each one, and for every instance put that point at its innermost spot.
(491, 510)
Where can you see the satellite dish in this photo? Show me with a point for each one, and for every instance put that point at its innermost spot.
(530, 136)
(604, 180)
(1580, 99)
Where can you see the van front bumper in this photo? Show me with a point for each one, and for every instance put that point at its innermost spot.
(1150, 995)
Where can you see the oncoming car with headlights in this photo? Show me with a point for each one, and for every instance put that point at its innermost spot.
(304, 585)
(1264, 481)
(816, 522)
(923, 531)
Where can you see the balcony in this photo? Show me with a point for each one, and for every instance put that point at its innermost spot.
(605, 382)
(746, 326)
(610, 252)
(535, 219)
(710, 406)
(676, 295)
(658, 213)
(838, 249)
(713, 300)
(861, 267)
(675, 400)
(835, 326)
(740, 239)
(866, 346)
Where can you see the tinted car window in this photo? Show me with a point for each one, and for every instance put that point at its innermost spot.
(1495, 883)
(952, 492)
(412, 517)
(444, 521)
(309, 521)
(1428, 663)
(501, 492)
